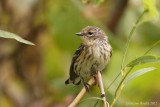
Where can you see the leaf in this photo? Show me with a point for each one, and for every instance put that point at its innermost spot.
(138, 73)
(142, 60)
(152, 12)
(5, 34)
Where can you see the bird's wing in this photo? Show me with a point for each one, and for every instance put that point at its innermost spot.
(78, 52)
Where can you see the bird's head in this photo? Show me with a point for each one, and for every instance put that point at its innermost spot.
(91, 35)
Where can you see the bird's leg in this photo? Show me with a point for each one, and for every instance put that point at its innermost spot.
(93, 74)
(95, 80)
(86, 85)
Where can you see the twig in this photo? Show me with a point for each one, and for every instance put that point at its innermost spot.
(120, 87)
(154, 45)
(129, 39)
(100, 84)
(81, 93)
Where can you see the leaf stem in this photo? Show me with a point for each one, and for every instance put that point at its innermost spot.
(120, 87)
(154, 45)
(129, 39)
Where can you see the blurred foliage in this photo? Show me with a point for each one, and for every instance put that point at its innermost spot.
(152, 12)
(33, 76)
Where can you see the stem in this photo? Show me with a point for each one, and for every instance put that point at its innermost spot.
(81, 94)
(113, 80)
(83, 91)
(129, 39)
(155, 44)
(100, 84)
(120, 87)
(124, 75)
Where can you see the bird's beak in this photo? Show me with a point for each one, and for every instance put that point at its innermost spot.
(79, 34)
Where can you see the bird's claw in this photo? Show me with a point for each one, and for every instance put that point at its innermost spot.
(87, 86)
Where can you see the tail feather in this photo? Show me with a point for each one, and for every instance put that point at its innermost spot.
(75, 82)
(68, 81)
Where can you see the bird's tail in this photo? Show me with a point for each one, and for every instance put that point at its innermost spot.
(68, 81)
(77, 81)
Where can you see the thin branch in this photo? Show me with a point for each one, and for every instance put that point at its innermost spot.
(113, 80)
(154, 45)
(120, 87)
(100, 84)
(81, 93)
(129, 39)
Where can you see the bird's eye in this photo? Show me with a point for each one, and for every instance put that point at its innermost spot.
(90, 33)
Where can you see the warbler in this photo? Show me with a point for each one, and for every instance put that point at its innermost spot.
(92, 56)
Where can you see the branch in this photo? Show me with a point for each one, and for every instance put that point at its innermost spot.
(100, 84)
(81, 93)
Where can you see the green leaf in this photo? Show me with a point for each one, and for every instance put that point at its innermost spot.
(152, 13)
(142, 60)
(5, 34)
(138, 73)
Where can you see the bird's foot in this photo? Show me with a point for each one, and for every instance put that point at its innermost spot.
(87, 86)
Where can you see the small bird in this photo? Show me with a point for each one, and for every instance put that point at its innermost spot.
(92, 56)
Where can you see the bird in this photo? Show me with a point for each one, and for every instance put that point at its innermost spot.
(93, 55)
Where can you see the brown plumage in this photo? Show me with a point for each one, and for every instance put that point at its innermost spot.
(92, 55)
